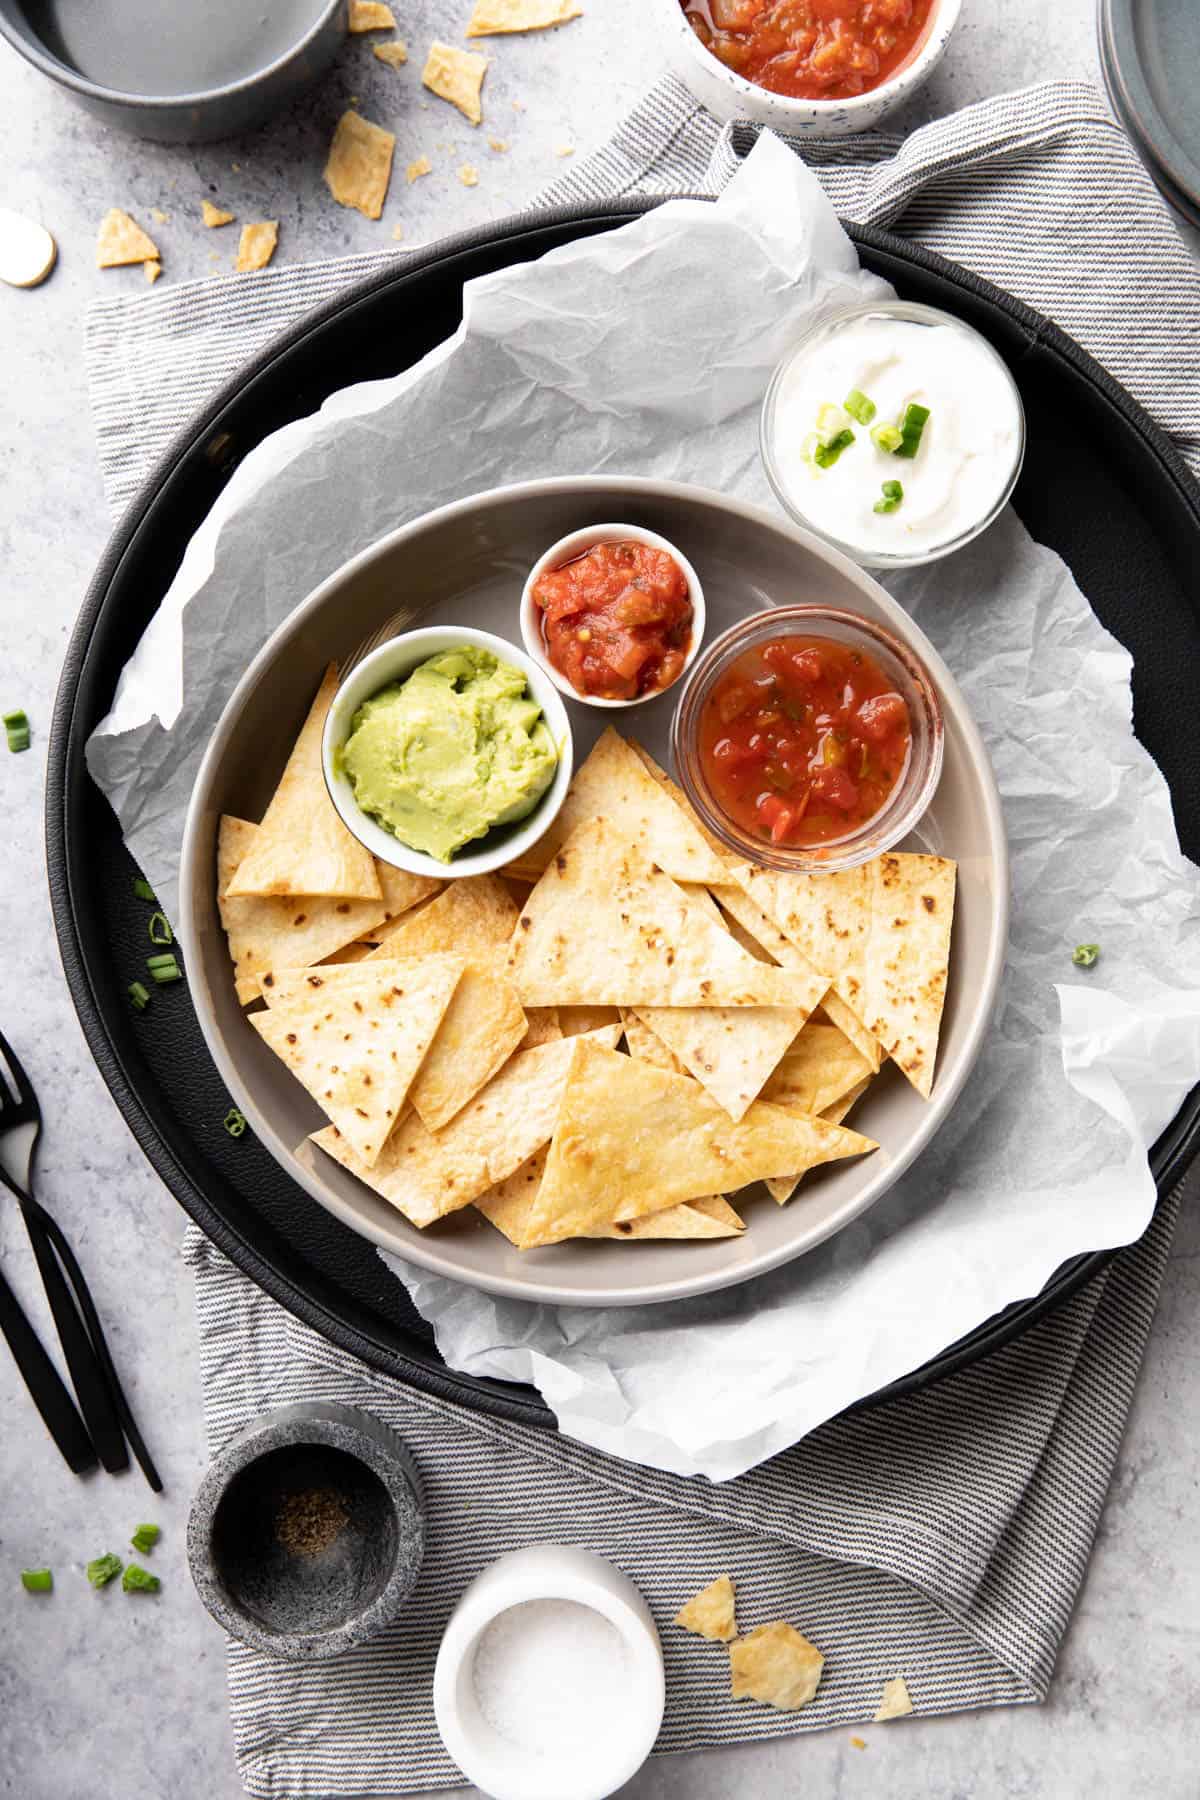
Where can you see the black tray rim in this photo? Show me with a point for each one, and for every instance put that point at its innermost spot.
(1170, 1156)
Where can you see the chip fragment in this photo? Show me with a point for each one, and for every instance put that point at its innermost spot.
(359, 165)
(395, 53)
(710, 1613)
(776, 1665)
(153, 271)
(256, 245)
(214, 216)
(493, 17)
(896, 1702)
(457, 76)
(370, 15)
(122, 241)
(468, 174)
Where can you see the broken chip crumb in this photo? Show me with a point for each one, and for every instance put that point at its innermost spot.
(710, 1613)
(518, 106)
(397, 232)
(776, 1665)
(122, 241)
(359, 165)
(499, 145)
(468, 174)
(395, 53)
(257, 245)
(215, 215)
(564, 149)
(491, 17)
(153, 271)
(370, 15)
(415, 170)
(159, 216)
(896, 1702)
(859, 1743)
(457, 76)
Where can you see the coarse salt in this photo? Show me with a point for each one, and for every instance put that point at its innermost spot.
(549, 1676)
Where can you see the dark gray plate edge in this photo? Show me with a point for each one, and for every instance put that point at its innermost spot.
(1171, 166)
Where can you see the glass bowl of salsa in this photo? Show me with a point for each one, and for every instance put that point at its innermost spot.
(614, 615)
(809, 738)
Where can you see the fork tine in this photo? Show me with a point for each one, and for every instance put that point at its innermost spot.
(16, 1073)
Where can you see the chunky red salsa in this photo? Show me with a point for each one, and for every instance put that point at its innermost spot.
(811, 49)
(803, 739)
(617, 621)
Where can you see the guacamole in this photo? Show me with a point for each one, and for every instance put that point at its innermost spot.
(455, 748)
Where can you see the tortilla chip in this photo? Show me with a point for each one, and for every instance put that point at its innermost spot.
(356, 952)
(604, 928)
(359, 165)
(256, 246)
(427, 1176)
(631, 1139)
(782, 1187)
(355, 1037)
(646, 1044)
(123, 241)
(731, 1050)
(267, 933)
(574, 1021)
(896, 1702)
(681, 800)
(394, 54)
(457, 76)
(415, 170)
(470, 916)
(819, 1067)
(613, 783)
(215, 215)
(881, 933)
(710, 1613)
(541, 1026)
(483, 1025)
(492, 17)
(402, 891)
(153, 271)
(370, 15)
(302, 847)
(508, 1205)
(776, 1665)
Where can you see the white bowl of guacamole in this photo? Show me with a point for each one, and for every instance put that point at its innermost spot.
(447, 752)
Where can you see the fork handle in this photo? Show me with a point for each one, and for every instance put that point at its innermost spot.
(87, 1377)
(46, 1388)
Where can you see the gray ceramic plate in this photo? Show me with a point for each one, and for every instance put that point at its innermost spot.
(1149, 57)
(466, 564)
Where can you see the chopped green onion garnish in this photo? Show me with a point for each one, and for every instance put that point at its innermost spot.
(831, 422)
(825, 455)
(893, 494)
(139, 995)
(37, 1581)
(164, 968)
(145, 1538)
(234, 1122)
(142, 889)
(1084, 955)
(859, 407)
(101, 1571)
(911, 427)
(16, 727)
(139, 1581)
(160, 929)
(887, 438)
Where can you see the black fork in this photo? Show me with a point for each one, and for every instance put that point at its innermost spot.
(89, 1361)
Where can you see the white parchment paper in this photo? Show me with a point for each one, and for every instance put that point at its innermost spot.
(646, 351)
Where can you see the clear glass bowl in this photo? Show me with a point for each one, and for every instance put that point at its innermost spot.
(915, 787)
(790, 495)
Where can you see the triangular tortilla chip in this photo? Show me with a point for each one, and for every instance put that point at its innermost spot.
(401, 890)
(613, 783)
(731, 1050)
(302, 846)
(507, 1206)
(896, 1702)
(492, 17)
(820, 1066)
(604, 928)
(472, 916)
(123, 241)
(267, 933)
(359, 165)
(427, 1177)
(257, 245)
(370, 15)
(710, 1613)
(881, 933)
(775, 1664)
(457, 76)
(646, 1044)
(355, 1037)
(542, 1026)
(782, 1187)
(483, 1025)
(632, 1139)
(574, 1021)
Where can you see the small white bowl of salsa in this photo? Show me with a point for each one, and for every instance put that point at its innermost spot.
(613, 615)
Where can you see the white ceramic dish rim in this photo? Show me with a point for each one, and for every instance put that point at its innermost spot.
(551, 1572)
(390, 662)
(577, 543)
(875, 102)
(404, 1240)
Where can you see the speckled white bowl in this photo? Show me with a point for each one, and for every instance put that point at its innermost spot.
(729, 96)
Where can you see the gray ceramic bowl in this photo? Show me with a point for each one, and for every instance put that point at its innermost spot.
(307, 1533)
(469, 561)
(217, 69)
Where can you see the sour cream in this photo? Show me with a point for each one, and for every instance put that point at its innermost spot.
(896, 354)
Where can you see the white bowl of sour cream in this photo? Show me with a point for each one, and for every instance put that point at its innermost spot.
(846, 390)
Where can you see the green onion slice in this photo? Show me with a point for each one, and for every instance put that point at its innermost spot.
(164, 968)
(859, 407)
(887, 438)
(102, 1570)
(145, 1538)
(160, 929)
(825, 455)
(139, 1581)
(142, 889)
(893, 494)
(831, 422)
(1084, 955)
(911, 427)
(234, 1122)
(16, 729)
(139, 995)
(37, 1581)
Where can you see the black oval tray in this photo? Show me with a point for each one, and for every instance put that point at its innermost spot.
(1101, 484)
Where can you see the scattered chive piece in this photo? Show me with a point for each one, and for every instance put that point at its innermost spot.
(911, 427)
(887, 438)
(37, 1581)
(139, 996)
(234, 1122)
(825, 455)
(139, 1581)
(160, 929)
(142, 889)
(859, 407)
(831, 421)
(16, 727)
(893, 494)
(101, 1571)
(1084, 955)
(164, 968)
(145, 1538)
